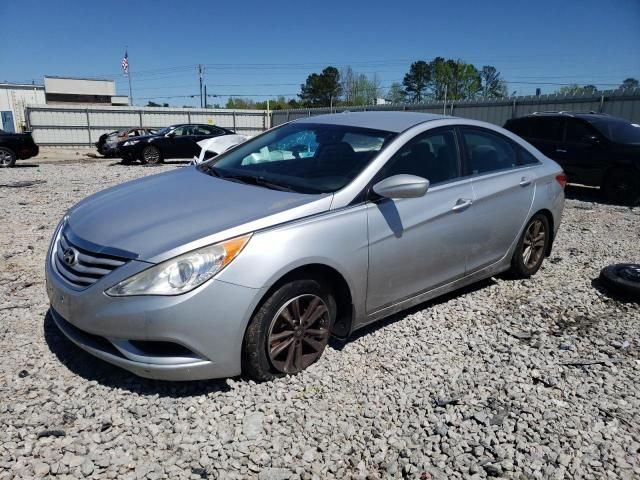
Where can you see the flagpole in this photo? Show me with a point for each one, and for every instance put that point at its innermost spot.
(129, 75)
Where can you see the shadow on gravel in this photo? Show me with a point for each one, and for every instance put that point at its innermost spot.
(25, 165)
(618, 297)
(588, 194)
(339, 344)
(91, 368)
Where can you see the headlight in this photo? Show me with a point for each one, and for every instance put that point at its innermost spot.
(128, 143)
(183, 273)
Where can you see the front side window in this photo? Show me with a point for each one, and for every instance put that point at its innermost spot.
(307, 158)
(488, 152)
(578, 132)
(430, 155)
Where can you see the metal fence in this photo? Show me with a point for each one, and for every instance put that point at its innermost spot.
(624, 104)
(55, 125)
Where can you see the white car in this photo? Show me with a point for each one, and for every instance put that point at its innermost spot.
(217, 145)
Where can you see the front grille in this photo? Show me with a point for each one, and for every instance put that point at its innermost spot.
(88, 268)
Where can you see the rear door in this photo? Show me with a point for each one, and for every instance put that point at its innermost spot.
(417, 244)
(503, 193)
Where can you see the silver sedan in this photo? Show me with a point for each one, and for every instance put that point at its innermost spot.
(248, 263)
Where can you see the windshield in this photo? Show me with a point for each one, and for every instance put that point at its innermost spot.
(306, 158)
(163, 131)
(618, 131)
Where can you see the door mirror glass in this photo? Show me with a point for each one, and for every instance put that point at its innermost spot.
(402, 186)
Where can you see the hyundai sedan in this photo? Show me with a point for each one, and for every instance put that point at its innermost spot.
(249, 262)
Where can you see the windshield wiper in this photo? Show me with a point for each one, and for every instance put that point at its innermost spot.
(210, 169)
(260, 181)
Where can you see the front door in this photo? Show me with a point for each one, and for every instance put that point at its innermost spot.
(182, 144)
(417, 244)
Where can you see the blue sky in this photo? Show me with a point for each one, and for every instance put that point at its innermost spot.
(259, 48)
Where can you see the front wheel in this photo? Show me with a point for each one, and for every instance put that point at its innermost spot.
(151, 155)
(531, 248)
(289, 331)
(622, 186)
(7, 158)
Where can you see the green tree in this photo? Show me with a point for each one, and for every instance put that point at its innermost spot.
(279, 103)
(417, 80)
(459, 79)
(241, 103)
(396, 93)
(321, 90)
(491, 85)
(629, 83)
(357, 88)
(575, 89)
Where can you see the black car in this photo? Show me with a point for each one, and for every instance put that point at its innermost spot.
(176, 141)
(14, 146)
(592, 148)
(107, 144)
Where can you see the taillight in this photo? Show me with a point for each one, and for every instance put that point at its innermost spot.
(561, 179)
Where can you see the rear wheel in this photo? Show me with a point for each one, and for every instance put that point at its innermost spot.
(622, 186)
(7, 158)
(151, 155)
(289, 331)
(531, 248)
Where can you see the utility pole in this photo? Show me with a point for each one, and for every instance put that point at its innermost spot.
(205, 95)
(200, 72)
(444, 105)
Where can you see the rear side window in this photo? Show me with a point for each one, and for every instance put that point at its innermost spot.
(488, 152)
(431, 155)
(547, 128)
(525, 157)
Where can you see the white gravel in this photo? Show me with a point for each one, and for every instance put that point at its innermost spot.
(468, 386)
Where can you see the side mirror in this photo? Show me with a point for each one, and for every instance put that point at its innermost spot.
(402, 186)
(591, 139)
(171, 134)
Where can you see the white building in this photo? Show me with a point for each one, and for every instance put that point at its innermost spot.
(82, 91)
(13, 99)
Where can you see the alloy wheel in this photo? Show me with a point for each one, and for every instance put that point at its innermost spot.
(533, 244)
(151, 155)
(298, 334)
(5, 158)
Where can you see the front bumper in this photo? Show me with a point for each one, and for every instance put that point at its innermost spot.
(193, 336)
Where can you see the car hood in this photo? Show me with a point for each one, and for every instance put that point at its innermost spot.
(163, 215)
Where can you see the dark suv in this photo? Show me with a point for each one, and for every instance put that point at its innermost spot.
(592, 148)
(15, 146)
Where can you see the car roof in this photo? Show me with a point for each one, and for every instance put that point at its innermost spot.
(387, 121)
(581, 115)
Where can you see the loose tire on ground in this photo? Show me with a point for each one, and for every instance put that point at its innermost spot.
(622, 186)
(151, 155)
(283, 338)
(622, 278)
(531, 248)
(7, 158)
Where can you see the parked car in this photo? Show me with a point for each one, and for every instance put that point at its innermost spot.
(593, 149)
(107, 144)
(176, 141)
(250, 261)
(15, 146)
(211, 147)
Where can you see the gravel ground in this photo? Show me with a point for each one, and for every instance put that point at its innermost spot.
(516, 379)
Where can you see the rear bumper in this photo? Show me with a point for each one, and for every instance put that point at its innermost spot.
(28, 151)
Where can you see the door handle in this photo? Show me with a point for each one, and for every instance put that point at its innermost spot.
(524, 181)
(561, 150)
(462, 204)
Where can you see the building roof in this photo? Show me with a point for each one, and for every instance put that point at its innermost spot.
(20, 85)
(387, 121)
(80, 78)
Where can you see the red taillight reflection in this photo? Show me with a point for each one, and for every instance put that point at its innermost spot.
(562, 179)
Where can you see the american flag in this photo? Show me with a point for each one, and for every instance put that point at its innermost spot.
(125, 63)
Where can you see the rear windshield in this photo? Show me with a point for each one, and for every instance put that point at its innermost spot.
(618, 131)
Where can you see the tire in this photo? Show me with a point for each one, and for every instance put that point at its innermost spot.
(7, 158)
(527, 261)
(275, 345)
(622, 278)
(622, 186)
(151, 155)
